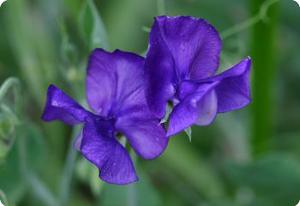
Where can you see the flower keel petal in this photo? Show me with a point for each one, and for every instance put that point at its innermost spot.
(103, 150)
(146, 136)
(197, 108)
(118, 169)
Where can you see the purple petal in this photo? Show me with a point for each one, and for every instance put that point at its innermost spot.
(145, 134)
(59, 106)
(115, 81)
(208, 108)
(120, 76)
(160, 73)
(107, 154)
(195, 45)
(198, 108)
(233, 92)
(118, 169)
(186, 88)
(180, 48)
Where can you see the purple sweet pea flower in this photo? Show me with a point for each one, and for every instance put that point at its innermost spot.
(115, 92)
(181, 64)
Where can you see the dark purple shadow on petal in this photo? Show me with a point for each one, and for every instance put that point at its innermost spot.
(186, 88)
(160, 73)
(145, 134)
(60, 106)
(198, 107)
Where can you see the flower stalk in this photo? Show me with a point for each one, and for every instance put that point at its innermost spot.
(264, 63)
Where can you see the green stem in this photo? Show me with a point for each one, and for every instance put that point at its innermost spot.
(37, 187)
(132, 188)
(161, 7)
(261, 15)
(67, 175)
(264, 63)
(11, 82)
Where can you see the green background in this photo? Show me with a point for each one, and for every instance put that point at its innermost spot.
(249, 157)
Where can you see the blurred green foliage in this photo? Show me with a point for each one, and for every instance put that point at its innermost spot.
(247, 158)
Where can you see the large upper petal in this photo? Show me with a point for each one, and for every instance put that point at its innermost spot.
(180, 48)
(233, 91)
(115, 81)
(195, 45)
(102, 149)
(60, 106)
(199, 107)
(145, 133)
(116, 88)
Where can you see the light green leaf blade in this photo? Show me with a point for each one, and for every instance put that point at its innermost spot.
(188, 132)
(92, 26)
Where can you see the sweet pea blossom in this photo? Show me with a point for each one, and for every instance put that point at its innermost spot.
(181, 65)
(116, 94)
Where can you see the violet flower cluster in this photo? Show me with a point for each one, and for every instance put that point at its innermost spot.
(128, 95)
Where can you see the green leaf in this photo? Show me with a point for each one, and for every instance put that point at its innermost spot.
(139, 193)
(31, 160)
(92, 26)
(7, 131)
(11, 171)
(36, 146)
(188, 132)
(11, 180)
(274, 179)
(9, 92)
(69, 51)
(168, 112)
(184, 161)
(89, 174)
